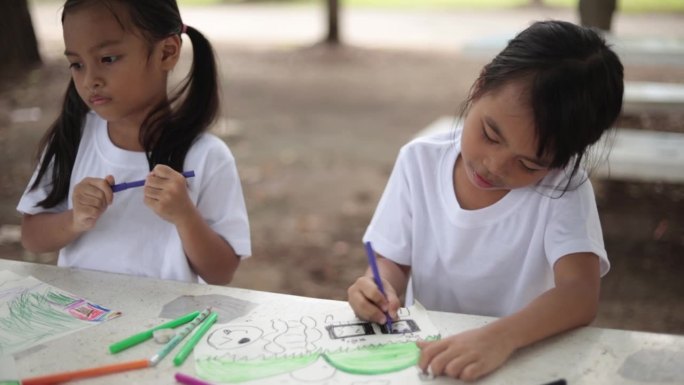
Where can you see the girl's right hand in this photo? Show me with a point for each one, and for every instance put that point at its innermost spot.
(91, 198)
(369, 303)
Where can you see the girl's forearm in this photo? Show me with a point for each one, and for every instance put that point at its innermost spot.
(212, 257)
(557, 310)
(48, 232)
(393, 273)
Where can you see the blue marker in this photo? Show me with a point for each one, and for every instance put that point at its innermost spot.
(138, 183)
(376, 277)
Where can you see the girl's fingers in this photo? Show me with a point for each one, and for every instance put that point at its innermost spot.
(152, 192)
(371, 291)
(166, 180)
(109, 194)
(154, 181)
(473, 371)
(422, 344)
(393, 305)
(429, 350)
(453, 367)
(367, 309)
(89, 212)
(99, 189)
(162, 171)
(363, 296)
(92, 196)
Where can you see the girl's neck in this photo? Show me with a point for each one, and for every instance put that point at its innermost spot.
(468, 196)
(125, 135)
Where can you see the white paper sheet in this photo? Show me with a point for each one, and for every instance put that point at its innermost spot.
(33, 312)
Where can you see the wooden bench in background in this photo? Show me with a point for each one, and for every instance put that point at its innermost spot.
(652, 96)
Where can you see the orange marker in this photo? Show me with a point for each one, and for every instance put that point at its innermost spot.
(85, 373)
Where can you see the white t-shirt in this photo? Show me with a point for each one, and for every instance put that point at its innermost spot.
(492, 261)
(129, 237)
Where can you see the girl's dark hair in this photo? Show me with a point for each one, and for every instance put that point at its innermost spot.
(575, 86)
(169, 130)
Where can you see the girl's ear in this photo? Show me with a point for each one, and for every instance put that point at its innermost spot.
(170, 52)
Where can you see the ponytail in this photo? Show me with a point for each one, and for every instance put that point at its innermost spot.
(167, 134)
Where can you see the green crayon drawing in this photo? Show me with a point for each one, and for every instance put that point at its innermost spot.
(60, 298)
(375, 359)
(32, 318)
(229, 371)
(371, 360)
(32, 312)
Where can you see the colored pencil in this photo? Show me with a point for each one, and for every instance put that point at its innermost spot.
(138, 183)
(147, 334)
(194, 339)
(85, 373)
(376, 276)
(187, 380)
(178, 337)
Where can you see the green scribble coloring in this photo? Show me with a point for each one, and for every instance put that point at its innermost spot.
(10, 382)
(375, 359)
(60, 299)
(220, 370)
(32, 318)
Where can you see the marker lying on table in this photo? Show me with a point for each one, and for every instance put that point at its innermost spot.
(187, 380)
(85, 373)
(147, 334)
(557, 382)
(187, 348)
(376, 276)
(126, 185)
(178, 337)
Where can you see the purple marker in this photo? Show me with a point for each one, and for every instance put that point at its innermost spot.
(187, 380)
(126, 185)
(376, 276)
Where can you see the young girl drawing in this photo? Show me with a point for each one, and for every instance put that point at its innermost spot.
(118, 124)
(502, 221)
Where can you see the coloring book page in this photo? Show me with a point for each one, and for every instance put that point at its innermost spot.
(33, 312)
(291, 343)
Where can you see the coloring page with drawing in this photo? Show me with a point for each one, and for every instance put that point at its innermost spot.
(294, 342)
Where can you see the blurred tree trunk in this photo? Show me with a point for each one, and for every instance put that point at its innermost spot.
(333, 16)
(536, 3)
(18, 44)
(597, 13)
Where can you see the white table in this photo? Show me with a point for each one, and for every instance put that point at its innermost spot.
(584, 356)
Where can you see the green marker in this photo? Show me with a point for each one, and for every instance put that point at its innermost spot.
(187, 348)
(147, 334)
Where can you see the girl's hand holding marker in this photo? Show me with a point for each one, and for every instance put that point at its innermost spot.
(372, 297)
(166, 193)
(91, 198)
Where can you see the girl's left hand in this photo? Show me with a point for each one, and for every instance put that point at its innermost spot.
(466, 356)
(166, 193)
